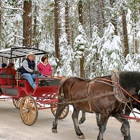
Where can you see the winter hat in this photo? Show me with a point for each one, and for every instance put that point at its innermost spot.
(3, 65)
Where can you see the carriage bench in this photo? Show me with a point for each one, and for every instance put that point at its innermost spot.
(7, 79)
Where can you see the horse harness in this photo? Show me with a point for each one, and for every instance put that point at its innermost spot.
(118, 92)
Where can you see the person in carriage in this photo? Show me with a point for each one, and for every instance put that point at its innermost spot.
(3, 66)
(10, 69)
(44, 67)
(28, 70)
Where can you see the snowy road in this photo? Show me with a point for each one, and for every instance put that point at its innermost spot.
(12, 127)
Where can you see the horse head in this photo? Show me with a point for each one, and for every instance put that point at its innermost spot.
(130, 81)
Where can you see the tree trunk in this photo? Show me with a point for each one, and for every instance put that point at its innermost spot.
(114, 21)
(90, 19)
(27, 23)
(101, 4)
(35, 28)
(100, 17)
(135, 37)
(80, 12)
(67, 24)
(56, 28)
(135, 19)
(125, 37)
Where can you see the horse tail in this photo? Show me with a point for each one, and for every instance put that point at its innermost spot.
(64, 91)
(61, 90)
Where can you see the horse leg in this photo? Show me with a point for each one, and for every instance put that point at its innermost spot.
(76, 125)
(83, 118)
(127, 112)
(98, 118)
(125, 128)
(101, 122)
(58, 113)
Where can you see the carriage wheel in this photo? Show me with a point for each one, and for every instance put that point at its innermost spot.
(28, 110)
(64, 112)
(16, 102)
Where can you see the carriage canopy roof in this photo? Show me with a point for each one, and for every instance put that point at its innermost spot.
(17, 52)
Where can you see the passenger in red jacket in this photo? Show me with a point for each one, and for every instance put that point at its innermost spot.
(10, 69)
(44, 66)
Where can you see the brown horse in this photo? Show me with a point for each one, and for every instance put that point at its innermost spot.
(98, 96)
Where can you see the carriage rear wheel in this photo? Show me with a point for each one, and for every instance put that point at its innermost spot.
(64, 112)
(28, 110)
(16, 102)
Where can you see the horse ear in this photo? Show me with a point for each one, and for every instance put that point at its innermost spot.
(139, 92)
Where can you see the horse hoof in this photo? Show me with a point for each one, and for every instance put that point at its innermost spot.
(54, 130)
(82, 137)
(81, 121)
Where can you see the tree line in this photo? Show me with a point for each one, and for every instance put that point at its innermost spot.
(81, 36)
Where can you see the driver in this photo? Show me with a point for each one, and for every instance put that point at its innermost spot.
(28, 68)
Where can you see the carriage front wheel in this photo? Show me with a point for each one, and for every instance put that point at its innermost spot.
(28, 110)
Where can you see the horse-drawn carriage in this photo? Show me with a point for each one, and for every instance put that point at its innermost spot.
(26, 99)
(99, 95)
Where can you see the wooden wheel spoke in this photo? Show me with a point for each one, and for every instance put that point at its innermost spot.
(17, 102)
(33, 113)
(24, 111)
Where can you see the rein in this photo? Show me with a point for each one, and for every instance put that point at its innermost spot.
(82, 100)
(106, 80)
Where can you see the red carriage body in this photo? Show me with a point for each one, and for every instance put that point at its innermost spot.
(26, 99)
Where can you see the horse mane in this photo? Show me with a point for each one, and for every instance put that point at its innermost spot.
(130, 80)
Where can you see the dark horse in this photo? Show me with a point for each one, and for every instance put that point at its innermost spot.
(127, 113)
(98, 96)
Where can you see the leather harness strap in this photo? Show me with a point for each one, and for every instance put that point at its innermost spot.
(117, 90)
(88, 96)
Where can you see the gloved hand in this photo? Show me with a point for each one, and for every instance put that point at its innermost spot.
(37, 72)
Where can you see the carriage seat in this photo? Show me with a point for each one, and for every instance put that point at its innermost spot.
(5, 79)
(41, 82)
(2, 71)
